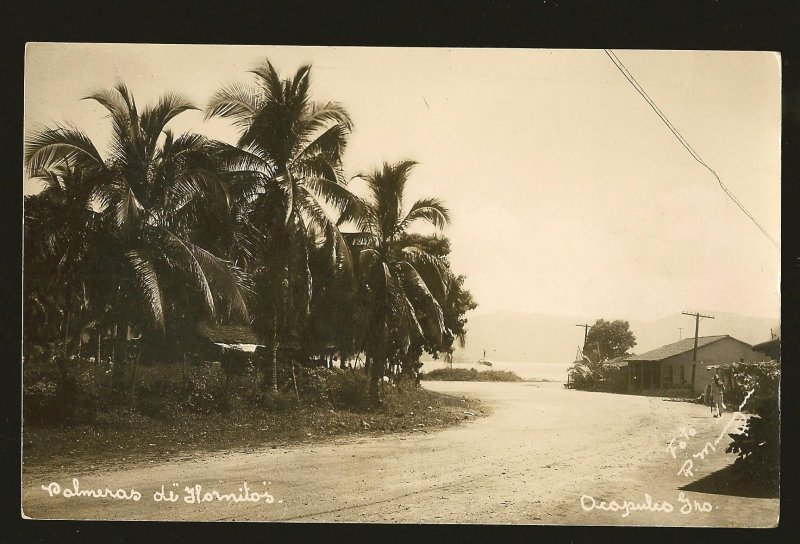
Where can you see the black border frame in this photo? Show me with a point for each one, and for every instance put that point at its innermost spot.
(698, 24)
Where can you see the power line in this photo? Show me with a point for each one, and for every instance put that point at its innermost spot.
(621, 67)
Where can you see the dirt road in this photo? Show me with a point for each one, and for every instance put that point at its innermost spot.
(546, 455)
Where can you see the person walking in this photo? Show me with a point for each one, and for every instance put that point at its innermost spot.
(708, 400)
(717, 390)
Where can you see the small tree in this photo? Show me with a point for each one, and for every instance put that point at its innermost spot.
(609, 339)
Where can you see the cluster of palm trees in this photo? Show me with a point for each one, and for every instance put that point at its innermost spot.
(170, 229)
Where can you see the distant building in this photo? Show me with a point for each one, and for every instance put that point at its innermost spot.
(770, 348)
(235, 337)
(234, 346)
(670, 366)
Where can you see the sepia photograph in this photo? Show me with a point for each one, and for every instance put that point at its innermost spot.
(401, 285)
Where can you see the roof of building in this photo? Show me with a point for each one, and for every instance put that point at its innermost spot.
(676, 348)
(769, 344)
(228, 334)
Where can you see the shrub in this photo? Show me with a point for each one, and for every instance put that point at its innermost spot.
(314, 384)
(50, 398)
(349, 390)
(758, 447)
(205, 391)
(41, 402)
(119, 418)
(471, 375)
(161, 408)
(281, 401)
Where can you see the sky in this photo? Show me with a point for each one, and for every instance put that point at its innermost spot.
(568, 194)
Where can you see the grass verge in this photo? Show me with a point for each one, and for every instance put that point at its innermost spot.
(130, 438)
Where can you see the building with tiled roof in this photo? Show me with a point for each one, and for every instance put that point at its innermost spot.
(670, 366)
(229, 335)
(231, 345)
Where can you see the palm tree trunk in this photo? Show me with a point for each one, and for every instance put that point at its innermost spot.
(294, 380)
(135, 367)
(375, 373)
(114, 349)
(66, 336)
(99, 338)
(61, 362)
(375, 377)
(273, 353)
(118, 354)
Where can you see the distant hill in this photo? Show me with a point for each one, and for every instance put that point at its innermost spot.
(524, 337)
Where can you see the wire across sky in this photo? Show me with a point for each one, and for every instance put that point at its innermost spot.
(632, 80)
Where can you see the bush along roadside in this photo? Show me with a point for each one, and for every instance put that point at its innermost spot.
(758, 447)
(225, 414)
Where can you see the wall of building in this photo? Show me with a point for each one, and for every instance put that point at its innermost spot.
(726, 350)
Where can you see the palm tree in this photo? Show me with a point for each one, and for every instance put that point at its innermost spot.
(151, 192)
(60, 226)
(399, 303)
(288, 167)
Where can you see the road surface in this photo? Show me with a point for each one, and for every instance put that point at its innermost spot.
(545, 455)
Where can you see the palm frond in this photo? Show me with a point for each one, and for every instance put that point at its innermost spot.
(367, 258)
(324, 114)
(434, 269)
(228, 280)
(410, 317)
(325, 150)
(301, 81)
(148, 281)
(60, 146)
(431, 210)
(127, 98)
(387, 186)
(362, 215)
(191, 185)
(332, 193)
(236, 102)
(124, 117)
(416, 287)
(287, 187)
(111, 100)
(186, 144)
(155, 118)
(341, 250)
(235, 158)
(270, 81)
(127, 207)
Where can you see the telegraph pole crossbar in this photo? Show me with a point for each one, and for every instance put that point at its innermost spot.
(697, 316)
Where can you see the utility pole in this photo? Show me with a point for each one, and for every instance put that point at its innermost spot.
(697, 317)
(680, 333)
(585, 332)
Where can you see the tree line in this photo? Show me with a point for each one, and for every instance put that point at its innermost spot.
(168, 230)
